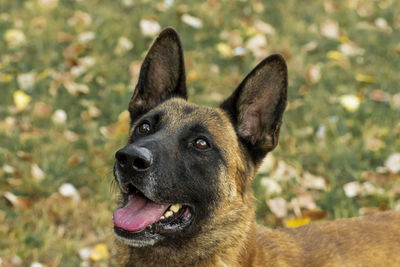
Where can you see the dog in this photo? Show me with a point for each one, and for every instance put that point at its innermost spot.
(185, 179)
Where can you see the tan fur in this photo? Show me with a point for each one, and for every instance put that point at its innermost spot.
(231, 237)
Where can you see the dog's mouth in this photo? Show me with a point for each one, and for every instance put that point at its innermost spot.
(142, 217)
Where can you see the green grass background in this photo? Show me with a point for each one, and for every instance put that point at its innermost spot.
(52, 230)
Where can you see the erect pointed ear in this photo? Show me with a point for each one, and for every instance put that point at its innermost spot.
(162, 74)
(257, 105)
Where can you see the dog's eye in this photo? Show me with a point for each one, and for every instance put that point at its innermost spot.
(144, 128)
(201, 144)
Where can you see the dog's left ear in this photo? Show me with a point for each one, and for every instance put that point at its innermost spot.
(257, 105)
(162, 74)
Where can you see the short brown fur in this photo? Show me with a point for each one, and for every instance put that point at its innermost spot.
(230, 236)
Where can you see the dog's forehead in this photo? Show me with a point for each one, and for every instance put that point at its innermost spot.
(178, 113)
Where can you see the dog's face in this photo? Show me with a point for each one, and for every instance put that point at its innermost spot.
(186, 168)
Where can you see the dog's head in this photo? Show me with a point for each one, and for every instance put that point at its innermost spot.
(186, 168)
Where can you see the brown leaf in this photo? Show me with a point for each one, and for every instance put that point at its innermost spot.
(379, 96)
(42, 110)
(74, 160)
(65, 37)
(19, 202)
(73, 50)
(315, 215)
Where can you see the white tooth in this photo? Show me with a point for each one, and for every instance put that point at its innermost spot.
(168, 214)
(162, 218)
(175, 207)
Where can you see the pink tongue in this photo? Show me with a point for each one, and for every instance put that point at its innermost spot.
(138, 213)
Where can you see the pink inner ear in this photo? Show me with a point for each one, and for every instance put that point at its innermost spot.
(251, 127)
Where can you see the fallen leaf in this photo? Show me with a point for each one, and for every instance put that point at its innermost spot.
(99, 252)
(68, 190)
(14, 38)
(310, 46)
(393, 163)
(364, 78)
(127, 3)
(293, 223)
(335, 55)
(258, 45)
(374, 143)
(80, 18)
(330, 29)
(383, 25)
(123, 46)
(59, 117)
(369, 189)
(352, 189)
(149, 27)
(41, 110)
(74, 160)
(19, 202)
(37, 173)
(224, 49)
(192, 21)
(192, 76)
(71, 136)
(26, 81)
(86, 37)
(314, 215)
(48, 4)
(84, 253)
(239, 52)
(21, 100)
(306, 200)
(278, 206)
(5, 78)
(73, 50)
(36, 264)
(379, 96)
(311, 181)
(264, 27)
(313, 74)
(351, 49)
(350, 102)
(396, 100)
(271, 186)
(267, 164)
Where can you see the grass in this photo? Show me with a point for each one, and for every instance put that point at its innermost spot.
(321, 135)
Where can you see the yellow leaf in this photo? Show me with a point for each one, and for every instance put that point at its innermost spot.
(100, 252)
(344, 39)
(21, 100)
(5, 78)
(292, 223)
(14, 37)
(350, 102)
(124, 117)
(44, 74)
(224, 49)
(364, 78)
(192, 76)
(335, 55)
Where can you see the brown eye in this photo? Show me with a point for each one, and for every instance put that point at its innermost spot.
(144, 128)
(200, 143)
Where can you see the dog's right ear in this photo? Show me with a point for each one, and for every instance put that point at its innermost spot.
(162, 75)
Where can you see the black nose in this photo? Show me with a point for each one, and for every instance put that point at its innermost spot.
(134, 157)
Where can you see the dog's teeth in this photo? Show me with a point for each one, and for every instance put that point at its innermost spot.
(168, 214)
(175, 207)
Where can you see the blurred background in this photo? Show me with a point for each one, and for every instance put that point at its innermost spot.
(68, 69)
